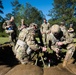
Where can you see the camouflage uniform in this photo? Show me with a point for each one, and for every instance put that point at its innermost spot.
(63, 28)
(58, 41)
(25, 44)
(10, 28)
(71, 31)
(44, 28)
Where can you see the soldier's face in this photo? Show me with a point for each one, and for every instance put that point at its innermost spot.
(44, 21)
(56, 34)
(12, 18)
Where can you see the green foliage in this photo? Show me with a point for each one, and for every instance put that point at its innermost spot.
(54, 21)
(8, 16)
(30, 14)
(1, 11)
(27, 12)
(33, 15)
(1, 6)
(3, 40)
(1, 29)
(3, 34)
(63, 10)
(16, 6)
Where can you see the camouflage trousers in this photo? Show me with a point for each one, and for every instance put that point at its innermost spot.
(69, 54)
(22, 53)
(45, 39)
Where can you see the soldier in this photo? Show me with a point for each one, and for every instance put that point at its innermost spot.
(10, 28)
(71, 31)
(26, 43)
(63, 28)
(44, 28)
(38, 35)
(58, 41)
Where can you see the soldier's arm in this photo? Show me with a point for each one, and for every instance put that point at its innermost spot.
(49, 25)
(71, 30)
(52, 43)
(30, 40)
(49, 28)
(4, 25)
(33, 45)
(54, 47)
(41, 28)
(48, 31)
(68, 39)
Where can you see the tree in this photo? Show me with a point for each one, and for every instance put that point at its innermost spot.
(63, 10)
(27, 12)
(1, 12)
(32, 14)
(8, 16)
(16, 6)
(1, 6)
(15, 10)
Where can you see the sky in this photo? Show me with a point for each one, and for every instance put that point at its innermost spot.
(43, 5)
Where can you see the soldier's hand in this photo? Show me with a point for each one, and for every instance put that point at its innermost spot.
(56, 50)
(42, 32)
(44, 49)
(8, 26)
(47, 32)
(59, 43)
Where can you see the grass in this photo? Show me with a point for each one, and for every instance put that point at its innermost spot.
(4, 39)
(75, 40)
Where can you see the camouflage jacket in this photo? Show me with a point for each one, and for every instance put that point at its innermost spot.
(27, 35)
(45, 27)
(31, 40)
(64, 30)
(66, 39)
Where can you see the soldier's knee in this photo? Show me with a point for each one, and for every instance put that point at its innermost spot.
(71, 46)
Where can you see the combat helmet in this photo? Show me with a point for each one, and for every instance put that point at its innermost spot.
(33, 25)
(62, 23)
(55, 29)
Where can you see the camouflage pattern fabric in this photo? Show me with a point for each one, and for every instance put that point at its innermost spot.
(10, 28)
(25, 44)
(66, 40)
(71, 32)
(44, 28)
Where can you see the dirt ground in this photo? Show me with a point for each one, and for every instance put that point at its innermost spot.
(10, 66)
